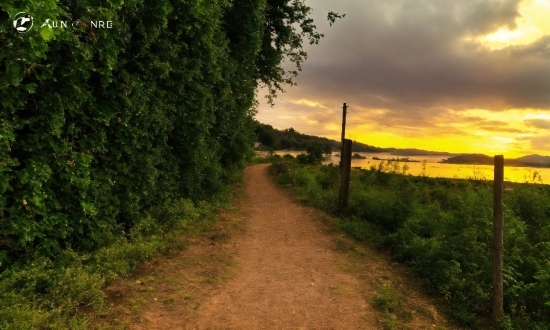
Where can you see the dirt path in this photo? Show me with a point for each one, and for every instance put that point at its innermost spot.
(288, 276)
(271, 265)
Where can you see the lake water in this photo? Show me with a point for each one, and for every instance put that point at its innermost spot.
(436, 169)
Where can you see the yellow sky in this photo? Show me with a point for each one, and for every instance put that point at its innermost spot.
(512, 132)
(509, 135)
(533, 24)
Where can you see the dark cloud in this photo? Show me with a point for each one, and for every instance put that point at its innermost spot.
(481, 17)
(490, 125)
(496, 123)
(413, 69)
(471, 119)
(538, 123)
(541, 143)
(411, 58)
(499, 129)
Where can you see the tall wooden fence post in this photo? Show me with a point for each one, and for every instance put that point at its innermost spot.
(498, 240)
(344, 112)
(345, 162)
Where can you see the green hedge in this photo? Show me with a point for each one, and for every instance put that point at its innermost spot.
(98, 126)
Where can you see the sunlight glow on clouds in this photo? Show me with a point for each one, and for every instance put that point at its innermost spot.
(306, 102)
(533, 24)
(333, 127)
(504, 36)
(467, 76)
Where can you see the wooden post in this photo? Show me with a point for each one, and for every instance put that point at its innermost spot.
(345, 162)
(498, 240)
(344, 112)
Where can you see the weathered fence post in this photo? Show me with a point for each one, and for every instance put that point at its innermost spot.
(345, 162)
(344, 112)
(498, 240)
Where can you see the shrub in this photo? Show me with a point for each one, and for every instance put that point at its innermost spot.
(383, 208)
(442, 230)
(280, 168)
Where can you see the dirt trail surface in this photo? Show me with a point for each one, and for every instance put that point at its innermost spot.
(288, 273)
(270, 265)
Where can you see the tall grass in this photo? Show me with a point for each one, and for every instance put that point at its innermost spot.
(442, 230)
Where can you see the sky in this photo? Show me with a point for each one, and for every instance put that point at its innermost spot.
(468, 76)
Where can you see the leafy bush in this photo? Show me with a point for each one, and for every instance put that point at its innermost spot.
(281, 168)
(95, 141)
(442, 230)
(99, 126)
(61, 293)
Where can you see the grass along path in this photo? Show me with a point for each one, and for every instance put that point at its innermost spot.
(269, 263)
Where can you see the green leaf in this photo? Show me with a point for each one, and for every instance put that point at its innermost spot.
(13, 73)
(47, 34)
(31, 88)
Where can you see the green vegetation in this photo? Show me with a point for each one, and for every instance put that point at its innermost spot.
(314, 154)
(480, 159)
(389, 303)
(290, 139)
(111, 138)
(66, 292)
(442, 230)
(100, 126)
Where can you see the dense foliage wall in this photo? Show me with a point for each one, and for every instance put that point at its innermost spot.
(99, 125)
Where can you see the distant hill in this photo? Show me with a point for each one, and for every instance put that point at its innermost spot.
(480, 159)
(476, 159)
(290, 139)
(535, 159)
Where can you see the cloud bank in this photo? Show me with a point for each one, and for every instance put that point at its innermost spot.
(418, 64)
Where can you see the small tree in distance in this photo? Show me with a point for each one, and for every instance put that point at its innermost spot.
(314, 155)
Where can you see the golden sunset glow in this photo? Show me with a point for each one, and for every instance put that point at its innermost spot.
(414, 79)
(512, 139)
(533, 24)
(309, 103)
